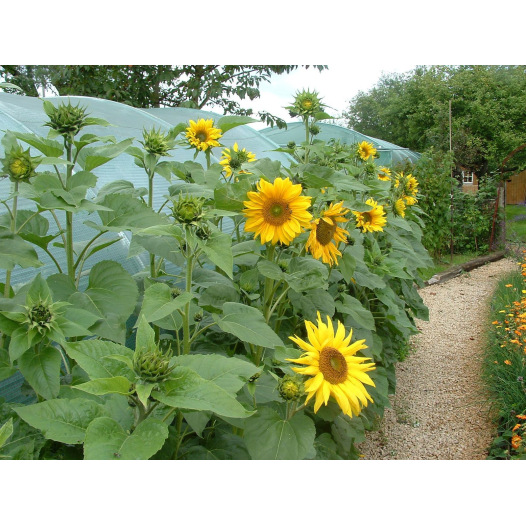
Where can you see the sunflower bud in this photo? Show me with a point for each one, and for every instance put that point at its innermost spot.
(175, 291)
(18, 164)
(291, 145)
(203, 231)
(198, 316)
(66, 119)
(156, 142)
(188, 209)
(306, 103)
(291, 387)
(284, 264)
(42, 315)
(152, 365)
(314, 130)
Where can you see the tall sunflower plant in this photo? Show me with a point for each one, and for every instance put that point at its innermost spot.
(276, 302)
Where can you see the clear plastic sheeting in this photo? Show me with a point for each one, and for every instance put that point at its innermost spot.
(244, 136)
(390, 154)
(26, 115)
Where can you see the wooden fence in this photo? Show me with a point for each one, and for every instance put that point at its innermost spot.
(516, 189)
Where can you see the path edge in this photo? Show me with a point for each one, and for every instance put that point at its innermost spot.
(455, 271)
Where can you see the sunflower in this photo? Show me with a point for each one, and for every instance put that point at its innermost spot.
(324, 231)
(408, 182)
(231, 160)
(277, 211)
(399, 207)
(385, 174)
(372, 221)
(410, 200)
(366, 150)
(330, 359)
(202, 134)
(411, 185)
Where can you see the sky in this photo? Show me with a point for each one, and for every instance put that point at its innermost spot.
(337, 85)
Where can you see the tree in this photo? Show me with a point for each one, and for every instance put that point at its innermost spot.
(153, 86)
(412, 110)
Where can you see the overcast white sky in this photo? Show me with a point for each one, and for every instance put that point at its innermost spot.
(337, 85)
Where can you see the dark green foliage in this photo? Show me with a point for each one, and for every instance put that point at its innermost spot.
(412, 109)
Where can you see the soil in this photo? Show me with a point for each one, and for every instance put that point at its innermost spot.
(440, 410)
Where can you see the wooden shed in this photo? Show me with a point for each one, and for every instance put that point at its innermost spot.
(516, 189)
(515, 186)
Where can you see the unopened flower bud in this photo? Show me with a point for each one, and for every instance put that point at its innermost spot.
(291, 387)
(66, 119)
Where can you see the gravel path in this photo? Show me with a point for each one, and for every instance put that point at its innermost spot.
(439, 411)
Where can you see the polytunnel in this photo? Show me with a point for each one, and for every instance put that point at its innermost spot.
(26, 115)
(389, 154)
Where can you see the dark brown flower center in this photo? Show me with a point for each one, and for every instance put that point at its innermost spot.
(367, 217)
(325, 232)
(276, 213)
(201, 136)
(333, 365)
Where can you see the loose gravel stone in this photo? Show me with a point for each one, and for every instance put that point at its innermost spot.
(440, 410)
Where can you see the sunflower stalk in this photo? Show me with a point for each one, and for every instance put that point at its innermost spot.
(153, 273)
(69, 215)
(187, 340)
(13, 214)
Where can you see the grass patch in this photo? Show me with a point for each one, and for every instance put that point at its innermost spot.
(504, 366)
(516, 223)
(445, 263)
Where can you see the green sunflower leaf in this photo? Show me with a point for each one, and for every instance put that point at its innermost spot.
(62, 420)
(107, 440)
(270, 437)
(248, 324)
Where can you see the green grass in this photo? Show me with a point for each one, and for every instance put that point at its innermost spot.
(446, 263)
(504, 363)
(516, 229)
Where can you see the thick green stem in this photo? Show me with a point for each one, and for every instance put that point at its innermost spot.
(153, 273)
(8, 273)
(69, 221)
(269, 284)
(307, 137)
(186, 318)
(69, 245)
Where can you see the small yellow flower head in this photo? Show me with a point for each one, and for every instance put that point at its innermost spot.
(410, 200)
(399, 207)
(365, 150)
(326, 235)
(384, 174)
(372, 221)
(202, 134)
(408, 183)
(507, 362)
(233, 159)
(291, 387)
